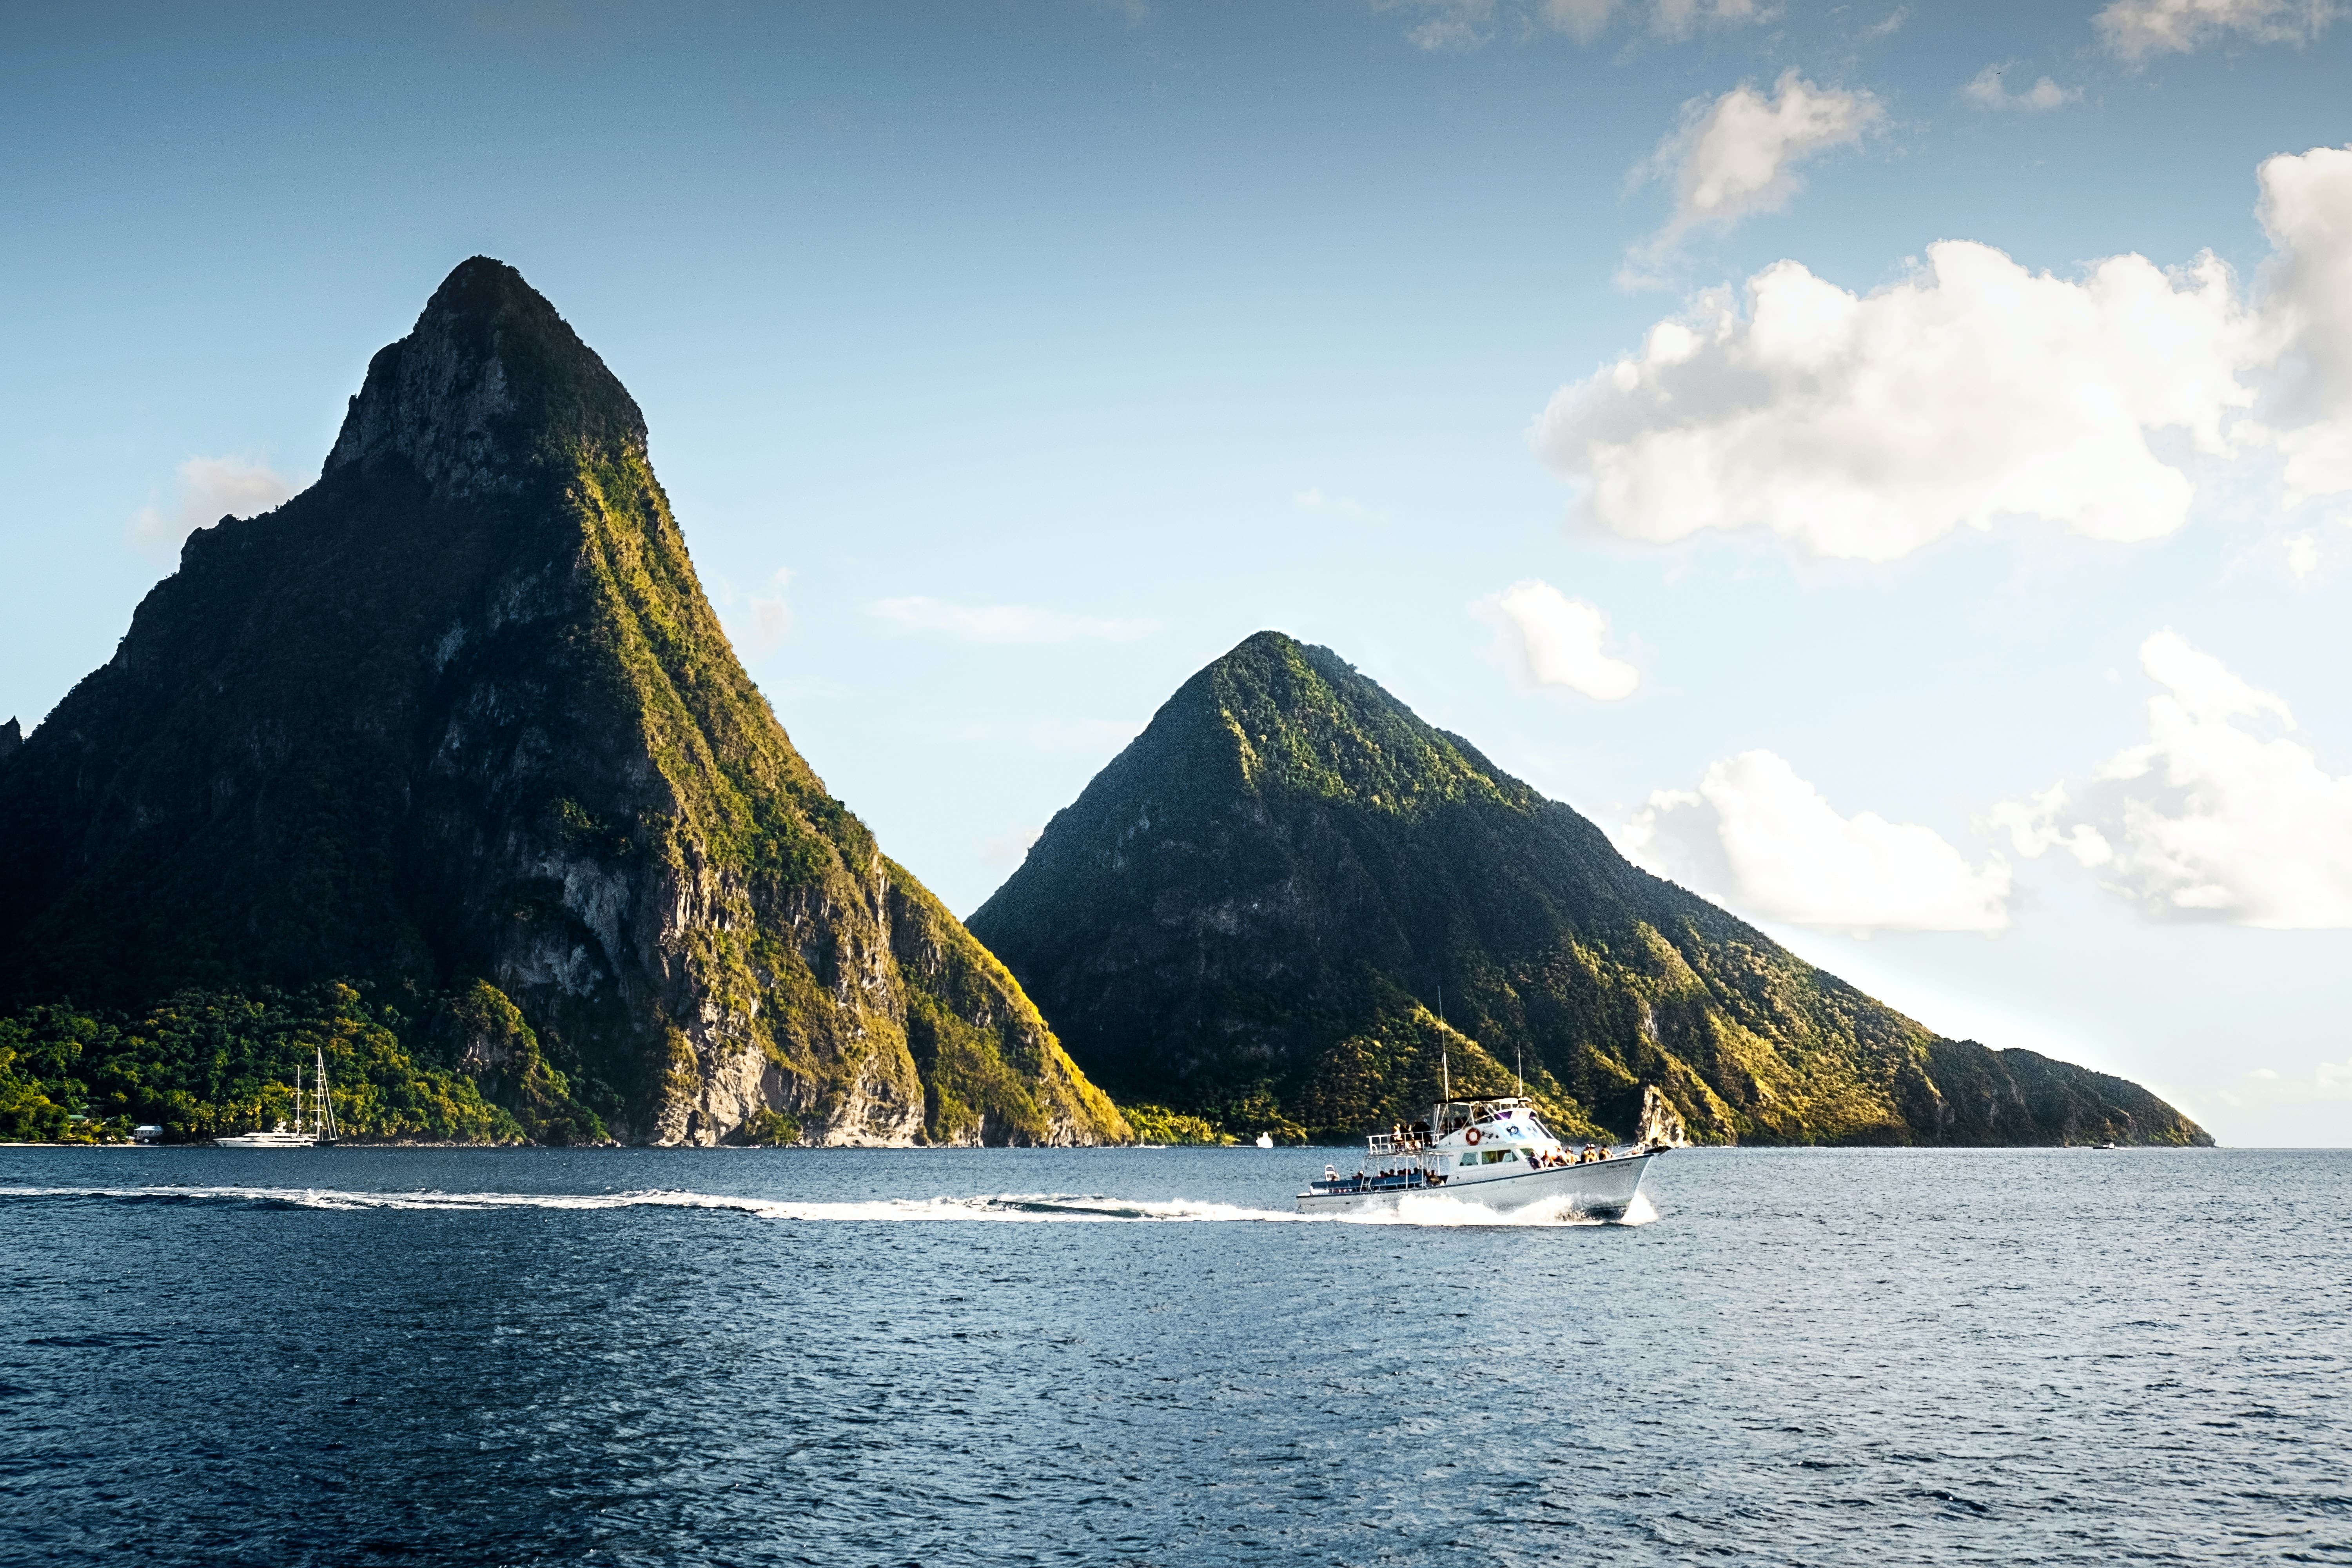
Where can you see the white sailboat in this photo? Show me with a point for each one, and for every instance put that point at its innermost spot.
(315, 1126)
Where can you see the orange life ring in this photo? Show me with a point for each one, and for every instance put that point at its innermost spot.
(1472, 1136)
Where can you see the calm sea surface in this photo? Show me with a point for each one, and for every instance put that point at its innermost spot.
(862, 1357)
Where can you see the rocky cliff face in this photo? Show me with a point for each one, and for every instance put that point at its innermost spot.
(459, 716)
(1253, 911)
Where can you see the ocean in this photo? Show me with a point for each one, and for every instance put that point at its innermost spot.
(1138, 1356)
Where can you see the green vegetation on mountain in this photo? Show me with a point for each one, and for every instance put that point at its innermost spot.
(1251, 914)
(456, 726)
(200, 1064)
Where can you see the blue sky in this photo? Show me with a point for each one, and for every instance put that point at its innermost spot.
(1582, 372)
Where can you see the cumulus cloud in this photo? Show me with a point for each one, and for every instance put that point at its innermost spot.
(206, 490)
(2303, 553)
(2219, 815)
(1988, 89)
(1554, 640)
(1005, 624)
(1758, 838)
(1737, 155)
(2135, 29)
(1868, 426)
(2306, 210)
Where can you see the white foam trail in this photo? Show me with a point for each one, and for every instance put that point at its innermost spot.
(1018, 1208)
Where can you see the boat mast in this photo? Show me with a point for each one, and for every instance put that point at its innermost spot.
(328, 1130)
(1445, 1069)
(297, 1100)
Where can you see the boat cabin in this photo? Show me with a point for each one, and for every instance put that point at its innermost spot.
(1463, 1140)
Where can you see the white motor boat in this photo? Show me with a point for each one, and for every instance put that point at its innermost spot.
(1494, 1153)
(314, 1119)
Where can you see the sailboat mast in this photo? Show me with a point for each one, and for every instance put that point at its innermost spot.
(328, 1130)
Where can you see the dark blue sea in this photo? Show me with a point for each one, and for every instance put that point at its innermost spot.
(1119, 1356)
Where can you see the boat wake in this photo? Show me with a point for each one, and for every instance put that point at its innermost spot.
(1429, 1209)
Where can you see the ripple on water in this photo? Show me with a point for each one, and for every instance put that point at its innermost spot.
(1133, 1356)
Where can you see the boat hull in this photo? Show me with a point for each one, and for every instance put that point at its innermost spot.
(1602, 1190)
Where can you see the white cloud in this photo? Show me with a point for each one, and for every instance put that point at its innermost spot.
(771, 616)
(1005, 624)
(2209, 819)
(2304, 552)
(1586, 20)
(766, 618)
(1554, 640)
(1759, 839)
(2031, 823)
(1450, 26)
(2135, 29)
(1739, 155)
(206, 491)
(2306, 210)
(2329, 1081)
(1312, 500)
(1009, 848)
(1987, 90)
(1869, 426)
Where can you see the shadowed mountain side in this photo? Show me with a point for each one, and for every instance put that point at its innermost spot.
(460, 715)
(1285, 868)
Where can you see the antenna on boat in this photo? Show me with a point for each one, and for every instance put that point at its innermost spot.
(1445, 1069)
(1521, 1060)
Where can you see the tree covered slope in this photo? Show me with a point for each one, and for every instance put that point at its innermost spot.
(1251, 914)
(458, 719)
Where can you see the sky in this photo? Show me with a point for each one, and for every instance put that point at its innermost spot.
(1888, 464)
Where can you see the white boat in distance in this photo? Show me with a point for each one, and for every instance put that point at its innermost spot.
(1494, 1153)
(314, 1119)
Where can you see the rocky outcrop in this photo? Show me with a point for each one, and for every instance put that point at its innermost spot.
(459, 722)
(1660, 1125)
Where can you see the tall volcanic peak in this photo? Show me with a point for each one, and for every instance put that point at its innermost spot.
(490, 383)
(458, 726)
(1254, 910)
